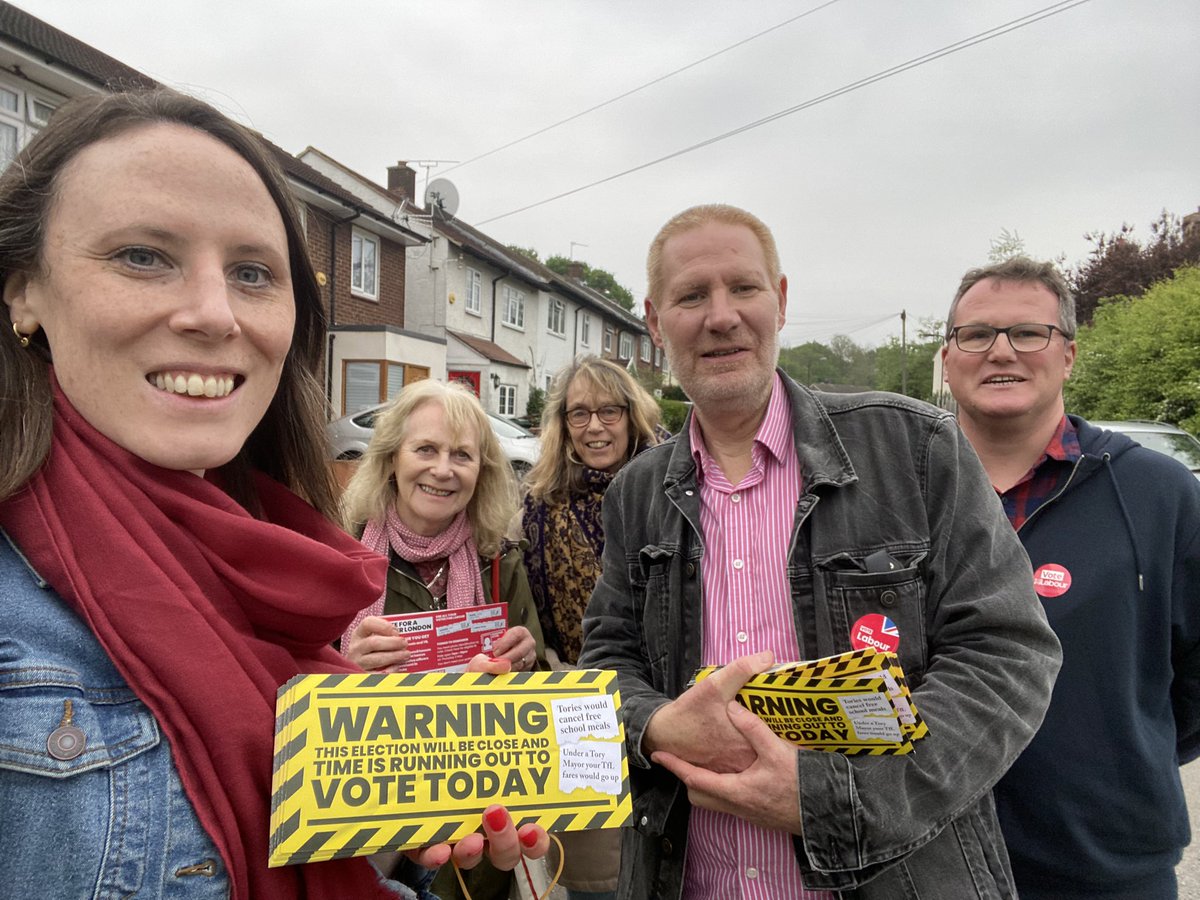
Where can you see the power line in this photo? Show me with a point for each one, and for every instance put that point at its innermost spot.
(917, 61)
(641, 87)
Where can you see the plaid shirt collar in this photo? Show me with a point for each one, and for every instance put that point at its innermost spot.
(1046, 476)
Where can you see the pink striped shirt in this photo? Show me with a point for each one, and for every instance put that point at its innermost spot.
(747, 608)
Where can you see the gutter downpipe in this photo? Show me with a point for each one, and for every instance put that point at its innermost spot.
(333, 225)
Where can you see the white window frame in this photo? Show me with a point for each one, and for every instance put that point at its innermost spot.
(506, 400)
(31, 104)
(514, 308)
(626, 346)
(474, 304)
(645, 349)
(658, 357)
(556, 317)
(359, 287)
(585, 330)
(608, 336)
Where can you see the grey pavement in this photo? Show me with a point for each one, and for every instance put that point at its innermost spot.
(1188, 870)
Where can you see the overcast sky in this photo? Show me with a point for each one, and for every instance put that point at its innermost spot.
(879, 198)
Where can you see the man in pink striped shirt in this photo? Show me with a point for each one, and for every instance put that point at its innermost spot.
(768, 531)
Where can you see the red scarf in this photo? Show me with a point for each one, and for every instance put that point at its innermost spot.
(205, 611)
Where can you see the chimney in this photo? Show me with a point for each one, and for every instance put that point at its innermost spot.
(575, 270)
(402, 180)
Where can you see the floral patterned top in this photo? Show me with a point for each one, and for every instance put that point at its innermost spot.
(566, 541)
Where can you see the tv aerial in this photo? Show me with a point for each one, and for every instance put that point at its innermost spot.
(441, 194)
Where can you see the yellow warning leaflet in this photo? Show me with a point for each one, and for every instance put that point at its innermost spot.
(371, 762)
(856, 702)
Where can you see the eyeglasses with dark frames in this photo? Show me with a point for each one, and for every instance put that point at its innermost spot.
(580, 416)
(1027, 337)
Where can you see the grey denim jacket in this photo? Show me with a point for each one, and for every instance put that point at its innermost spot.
(881, 472)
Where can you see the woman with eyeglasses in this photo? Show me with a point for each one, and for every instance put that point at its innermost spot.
(595, 420)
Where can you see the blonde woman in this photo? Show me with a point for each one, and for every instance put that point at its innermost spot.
(595, 420)
(434, 494)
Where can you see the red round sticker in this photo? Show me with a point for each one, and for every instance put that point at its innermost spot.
(1051, 580)
(875, 631)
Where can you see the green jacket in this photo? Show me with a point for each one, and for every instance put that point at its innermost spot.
(406, 592)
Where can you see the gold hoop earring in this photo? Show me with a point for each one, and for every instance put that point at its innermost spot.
(23, 338)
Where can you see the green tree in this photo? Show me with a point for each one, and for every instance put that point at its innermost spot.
(1120, 265)
(597, 279)
(1005, 246)
(524, 251)
(535, 404)
(813, 362)
(1140, 357)
(889, 361)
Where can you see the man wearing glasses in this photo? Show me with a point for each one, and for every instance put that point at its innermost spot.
(783, 524)
(1094, 806)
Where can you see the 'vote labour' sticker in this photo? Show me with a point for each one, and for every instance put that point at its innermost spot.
(1051, 580)
(875, 631)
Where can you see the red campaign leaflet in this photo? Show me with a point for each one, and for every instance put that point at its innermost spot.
(444, 640)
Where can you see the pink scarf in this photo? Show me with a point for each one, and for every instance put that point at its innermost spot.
(465, 583)
(205, 611)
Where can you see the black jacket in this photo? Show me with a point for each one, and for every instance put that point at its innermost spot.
(1095, 802)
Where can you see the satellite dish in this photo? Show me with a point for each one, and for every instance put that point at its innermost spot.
(442, 194)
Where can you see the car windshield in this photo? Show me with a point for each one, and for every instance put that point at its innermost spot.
(1183, 447)
(507, 429)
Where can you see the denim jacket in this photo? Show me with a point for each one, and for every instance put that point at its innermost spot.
(880, 472)
(111, 820)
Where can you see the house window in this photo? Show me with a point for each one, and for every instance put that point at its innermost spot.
(556, 316)
(608, 336)
(645, 349)
(585, 330)
(514, 308)
(21, 115)
(626, 346)
(508, 400)
(367, 382)
(364, 265)
(474, 292)
(12, 126)
(39, 111)
(658, 357)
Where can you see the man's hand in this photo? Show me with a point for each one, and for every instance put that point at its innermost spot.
(767, 793)
(695, 727)
(377, 646)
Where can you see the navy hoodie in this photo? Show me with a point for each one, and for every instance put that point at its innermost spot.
(1094, 806)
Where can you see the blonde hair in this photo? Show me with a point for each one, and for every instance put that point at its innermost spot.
(697, 216)
(372, 490)
(557, 474)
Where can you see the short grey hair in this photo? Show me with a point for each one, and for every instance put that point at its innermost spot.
(1022, 268)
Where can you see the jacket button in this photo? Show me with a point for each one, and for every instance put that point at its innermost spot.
(888, 598)
(666, 846)
(645, 821)
(691, 569)
(66, 742)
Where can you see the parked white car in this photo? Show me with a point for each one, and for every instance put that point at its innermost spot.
(1160, 436)
(349, 436)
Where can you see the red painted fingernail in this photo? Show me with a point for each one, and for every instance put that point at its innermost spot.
(496, 818)
(529, 838)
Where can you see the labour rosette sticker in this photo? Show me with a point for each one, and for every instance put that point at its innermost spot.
(373, 762)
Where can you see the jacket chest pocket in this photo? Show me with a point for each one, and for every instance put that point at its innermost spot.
(885, 610)
(654, 581)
